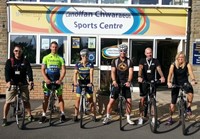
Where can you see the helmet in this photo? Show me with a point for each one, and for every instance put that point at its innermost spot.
(84, 52)
(123, 47)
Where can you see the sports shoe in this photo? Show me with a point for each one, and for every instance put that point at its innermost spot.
(189, 111)
(169, 122)
(42, 119)
(106, 120)
(30, 118)
(140, 121)
(62, 118)
(75, 119)
(94, 118)
(130, 122)
(4, 123)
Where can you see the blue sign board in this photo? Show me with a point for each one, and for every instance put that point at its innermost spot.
(196, 53)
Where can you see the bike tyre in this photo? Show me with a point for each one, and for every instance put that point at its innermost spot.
(153, 108)
(20, 113)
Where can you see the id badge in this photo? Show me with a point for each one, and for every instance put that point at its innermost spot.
(148, 71)
(17, 72)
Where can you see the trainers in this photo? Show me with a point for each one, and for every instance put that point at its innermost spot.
(140, 121)
(106, 120)
(94, 118)
(62, 118)
(30, 118)
(189, 111)
(4, 123)
(169, 122)
(130, 122)
(42, 119)
(75, 119)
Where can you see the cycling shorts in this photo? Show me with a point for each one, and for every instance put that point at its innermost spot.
(116, 90)
(88, 90)
(175, 93)
(47, 89)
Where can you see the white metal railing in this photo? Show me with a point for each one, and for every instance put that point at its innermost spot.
(127, 4)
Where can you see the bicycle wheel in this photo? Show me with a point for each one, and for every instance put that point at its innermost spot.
(51, 107)
(183, 115)
(153, 121)
(82, 102)
(20, 113)
(120, 112)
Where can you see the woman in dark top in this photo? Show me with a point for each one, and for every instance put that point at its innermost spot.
(180, 70)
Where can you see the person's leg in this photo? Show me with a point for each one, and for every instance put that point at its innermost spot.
(26, 98)
(77, 103)
(10, 96)
(174, 96)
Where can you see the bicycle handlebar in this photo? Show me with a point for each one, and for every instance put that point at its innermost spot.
(81, 85)
(152, 82)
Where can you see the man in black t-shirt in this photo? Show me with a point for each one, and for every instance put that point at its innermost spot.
(147, 70)
(121, 73)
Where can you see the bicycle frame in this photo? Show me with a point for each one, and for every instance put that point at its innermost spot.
(151, 107)
(18, 107)
(182, 106)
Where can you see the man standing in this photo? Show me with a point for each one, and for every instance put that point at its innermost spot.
(51, 66)
(147, 70)
(121, 73)
(17, 69)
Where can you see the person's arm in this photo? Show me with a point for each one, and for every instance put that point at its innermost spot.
(29, 71)
(113, 76)
(130, 77)
(190, 71)
(91, 75)
(161, 74)
(63, 72)
(169, 78)
(8, 73)
(140, 79)
(43, 71)
(75, 77)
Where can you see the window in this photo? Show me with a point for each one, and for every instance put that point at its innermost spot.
(28, 42)
(53, 0)
(84, 1)
(114, 1)
(45, 43)
(109, 49)
(78, 43)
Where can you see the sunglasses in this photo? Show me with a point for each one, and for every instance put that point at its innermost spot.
(83, 55)
(122, 51)
(18, 51)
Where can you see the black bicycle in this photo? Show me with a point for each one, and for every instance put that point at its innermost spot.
(19, 106)
(182, 104)
(52, 100)
(150, 104)
(83, 107)
(121, 106)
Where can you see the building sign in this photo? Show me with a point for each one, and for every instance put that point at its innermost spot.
(196, 53)
(96, 20)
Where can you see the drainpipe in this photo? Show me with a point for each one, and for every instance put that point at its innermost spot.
(188, 30)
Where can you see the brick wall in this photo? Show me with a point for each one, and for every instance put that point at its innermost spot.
(195, 34)
(37, 93)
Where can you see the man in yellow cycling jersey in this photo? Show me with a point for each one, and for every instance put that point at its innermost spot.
(51, 66)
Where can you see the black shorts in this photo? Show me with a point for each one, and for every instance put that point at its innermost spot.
(175, 93)
(116, 90)
(144, 88)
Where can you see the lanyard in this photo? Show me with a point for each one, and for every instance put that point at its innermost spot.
(149, 63)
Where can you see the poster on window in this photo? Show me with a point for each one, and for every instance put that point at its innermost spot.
(91, 43)
(54, 40)
(196, 53)
(75, 42)
(45, 44)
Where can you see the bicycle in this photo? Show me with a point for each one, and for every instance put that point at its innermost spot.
(150, 104)
(121, 106)
(52, 100)
(182, 104)
(83, 107)
(19, 105)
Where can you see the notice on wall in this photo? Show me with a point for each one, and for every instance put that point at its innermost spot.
(45, 44)
(91, 43)
(196, 53)
(75, 42)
